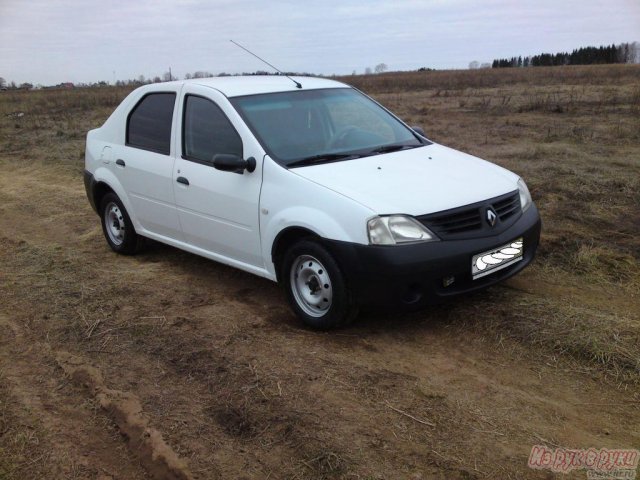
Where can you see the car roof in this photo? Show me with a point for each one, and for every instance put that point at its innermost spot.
(234, 86)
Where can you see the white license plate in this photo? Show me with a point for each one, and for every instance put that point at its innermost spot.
(491, 261)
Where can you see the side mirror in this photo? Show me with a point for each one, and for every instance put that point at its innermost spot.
(228, 162)
(419, 131)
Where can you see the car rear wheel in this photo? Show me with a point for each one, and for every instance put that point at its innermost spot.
(315, 287)
(117, 226)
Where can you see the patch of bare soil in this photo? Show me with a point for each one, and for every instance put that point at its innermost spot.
(125, 409)
(48, 430)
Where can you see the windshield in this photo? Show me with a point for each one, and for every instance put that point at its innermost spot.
(315, 126)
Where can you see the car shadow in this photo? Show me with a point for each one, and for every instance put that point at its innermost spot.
(267, 299)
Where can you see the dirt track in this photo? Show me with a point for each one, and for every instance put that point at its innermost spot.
(238, 389)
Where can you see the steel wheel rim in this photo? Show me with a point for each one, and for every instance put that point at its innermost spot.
(311, 286)
(114, 223)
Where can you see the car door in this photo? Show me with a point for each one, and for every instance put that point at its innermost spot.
(144, 164)
(218, 210)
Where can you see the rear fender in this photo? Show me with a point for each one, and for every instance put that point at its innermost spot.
(104, 175)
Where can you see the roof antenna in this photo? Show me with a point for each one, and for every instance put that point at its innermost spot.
(298, 84)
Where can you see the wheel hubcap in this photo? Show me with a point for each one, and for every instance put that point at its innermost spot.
(311, 285)
(114, 223)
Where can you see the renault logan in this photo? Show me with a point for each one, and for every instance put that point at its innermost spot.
(309, 183)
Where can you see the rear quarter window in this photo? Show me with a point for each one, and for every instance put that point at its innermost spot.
(149, 123)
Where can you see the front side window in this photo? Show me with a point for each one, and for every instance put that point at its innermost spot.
(323, 125)
(149, 123)
(207, 131)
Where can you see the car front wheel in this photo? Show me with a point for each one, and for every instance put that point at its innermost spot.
(315, 287)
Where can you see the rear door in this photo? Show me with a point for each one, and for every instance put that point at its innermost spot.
(218, 210)
(144, 164)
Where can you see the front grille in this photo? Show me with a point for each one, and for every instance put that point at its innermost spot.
(507, 207)
(469, 221)
(464, 221)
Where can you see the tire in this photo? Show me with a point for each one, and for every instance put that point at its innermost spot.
(117, 227)
(315, 287)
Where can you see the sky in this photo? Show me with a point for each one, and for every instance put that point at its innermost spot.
(53, 41)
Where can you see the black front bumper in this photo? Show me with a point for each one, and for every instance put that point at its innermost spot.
(413, 275)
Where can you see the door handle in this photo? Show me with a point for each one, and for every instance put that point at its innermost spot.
(120, 162)
(182, 180)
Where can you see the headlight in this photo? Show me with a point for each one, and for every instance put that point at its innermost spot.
(525, 196)
(397, 229)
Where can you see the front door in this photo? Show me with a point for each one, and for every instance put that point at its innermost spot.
(218, 210)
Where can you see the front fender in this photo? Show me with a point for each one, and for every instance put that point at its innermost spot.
(316, 221)
(290, 200)
(308, 218)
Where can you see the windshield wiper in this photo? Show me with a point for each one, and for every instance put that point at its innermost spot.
(332, 157)
(322, 158)
(392, 148)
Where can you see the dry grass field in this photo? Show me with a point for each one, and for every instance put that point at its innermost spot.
(169, 366)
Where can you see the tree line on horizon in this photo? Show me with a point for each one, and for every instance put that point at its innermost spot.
(134, 82)
(623, 53)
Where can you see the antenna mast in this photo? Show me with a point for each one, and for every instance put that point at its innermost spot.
(298, 84)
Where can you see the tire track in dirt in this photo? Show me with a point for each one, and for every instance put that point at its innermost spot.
(125, 409)
(64, 438)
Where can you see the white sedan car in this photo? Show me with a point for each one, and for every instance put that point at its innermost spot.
(315, 186)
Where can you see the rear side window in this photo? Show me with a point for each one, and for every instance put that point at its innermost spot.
(207, 131)
(149, 123)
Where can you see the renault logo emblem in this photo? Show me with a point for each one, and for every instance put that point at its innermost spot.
(491, 217)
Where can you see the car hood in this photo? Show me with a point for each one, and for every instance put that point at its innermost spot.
(415, 182)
